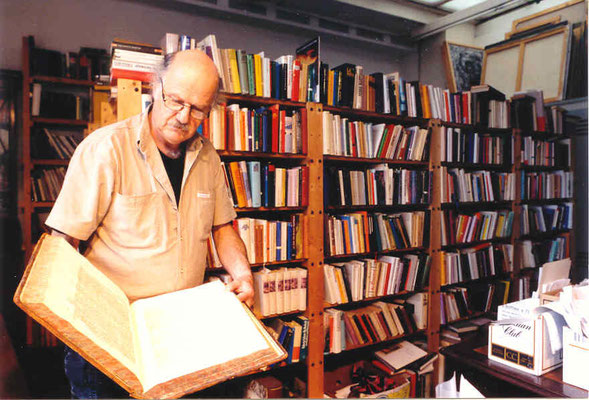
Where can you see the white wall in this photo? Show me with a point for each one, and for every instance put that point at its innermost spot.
(65, 25)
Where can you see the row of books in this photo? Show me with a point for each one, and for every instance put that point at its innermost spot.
(83, 64)
(472, 147)
(293, 335)
(375, 323)
(482, 225)
(54, 144)
(535, 253)
(270, 241)
(529, 113)
(132, 60)
(482, 105)
(462, 302)
(362, 232)
(546, 185)
(546, 153)
(46, 183)
(55, 104)
(343, 137)
(255, 184)
(262, 129)
(460, 186)
(538, 219)
(279, 291)
(357, 280)
(379, 185)
(285, 77)
(475, 262)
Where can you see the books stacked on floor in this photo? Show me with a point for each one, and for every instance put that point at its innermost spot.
(261, 129)
(357, 280)
(133, 60)
(361, 232)
(293, 334)
(280, 291)
(344, 137)
(380, 185)
(255, 184)
(375, 323)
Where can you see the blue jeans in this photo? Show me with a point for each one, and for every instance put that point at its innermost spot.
(87, 382)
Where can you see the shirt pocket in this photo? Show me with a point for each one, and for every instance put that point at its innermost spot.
(205, 211)
(137, 221)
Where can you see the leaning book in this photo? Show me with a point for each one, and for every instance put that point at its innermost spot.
(164, 346)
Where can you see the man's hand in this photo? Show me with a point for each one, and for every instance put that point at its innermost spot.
(244, 289)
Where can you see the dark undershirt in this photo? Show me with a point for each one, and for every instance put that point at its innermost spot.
(175, 169)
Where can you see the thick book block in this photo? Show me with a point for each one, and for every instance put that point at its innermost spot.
(164, 346)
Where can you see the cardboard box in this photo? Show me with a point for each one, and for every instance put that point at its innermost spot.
(575, 358)
(523, 342)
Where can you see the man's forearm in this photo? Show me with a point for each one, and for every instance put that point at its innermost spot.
(232, 252)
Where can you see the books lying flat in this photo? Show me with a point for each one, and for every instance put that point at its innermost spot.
(159, 347)
(400, 355)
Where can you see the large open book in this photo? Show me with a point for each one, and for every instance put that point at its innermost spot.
(159, 347)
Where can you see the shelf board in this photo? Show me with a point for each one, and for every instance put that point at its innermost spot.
(254, 210)
(42, 204)
(541, 135)
(482, 279)
(382, 342)
(224, 96)
(61, 80)
(478, 204)
(546, 201)
(466, 318)
(378, 207)
(542, 168)
(257, 155)
(373, 299)
(359, 160)
(50, 162)
(286, 314)
(262, 265)
(373, 253)
(389, 118)
(544, 235)
(485, 129)
(478, 166)
(474, 243)
(59, 121)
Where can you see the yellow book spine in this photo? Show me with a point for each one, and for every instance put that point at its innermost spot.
(234, 70)
(258, 74)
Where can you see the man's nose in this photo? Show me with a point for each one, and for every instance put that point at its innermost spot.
(183, 115)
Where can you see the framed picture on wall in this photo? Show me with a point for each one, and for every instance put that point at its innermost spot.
(463, 65)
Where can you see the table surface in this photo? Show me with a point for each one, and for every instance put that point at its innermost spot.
(471, 354)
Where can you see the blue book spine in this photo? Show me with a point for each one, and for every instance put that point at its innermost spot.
(266, 181)
(265, 133)
(184, 42)
(289, 246)
(335, 99)
(278, 239)
(255, 182)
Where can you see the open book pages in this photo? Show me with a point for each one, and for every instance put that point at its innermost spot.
(164, 346)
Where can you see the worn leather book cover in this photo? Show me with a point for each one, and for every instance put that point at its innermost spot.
(164, 346)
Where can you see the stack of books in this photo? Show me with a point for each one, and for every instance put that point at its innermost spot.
(132, 60)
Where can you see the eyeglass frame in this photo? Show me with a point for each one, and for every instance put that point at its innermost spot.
(202, 115)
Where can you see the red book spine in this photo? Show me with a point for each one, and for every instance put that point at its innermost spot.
(275, 110)
(296, 76)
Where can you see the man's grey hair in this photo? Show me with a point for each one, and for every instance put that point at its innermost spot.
(163, 67)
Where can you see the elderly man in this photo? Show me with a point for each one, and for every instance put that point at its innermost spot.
(145, 193)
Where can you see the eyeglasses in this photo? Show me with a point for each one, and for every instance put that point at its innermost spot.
(177, 106)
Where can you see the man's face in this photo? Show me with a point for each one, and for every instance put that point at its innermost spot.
(189, 88)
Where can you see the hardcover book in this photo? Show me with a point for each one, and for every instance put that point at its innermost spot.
(164, 346)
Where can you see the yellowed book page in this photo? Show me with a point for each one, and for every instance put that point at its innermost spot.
(192, 329)
(82, 295)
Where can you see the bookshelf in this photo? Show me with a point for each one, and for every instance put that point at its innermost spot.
(36, 121)
(317, 209)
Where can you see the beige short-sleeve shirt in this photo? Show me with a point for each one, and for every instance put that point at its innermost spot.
(117, 195)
